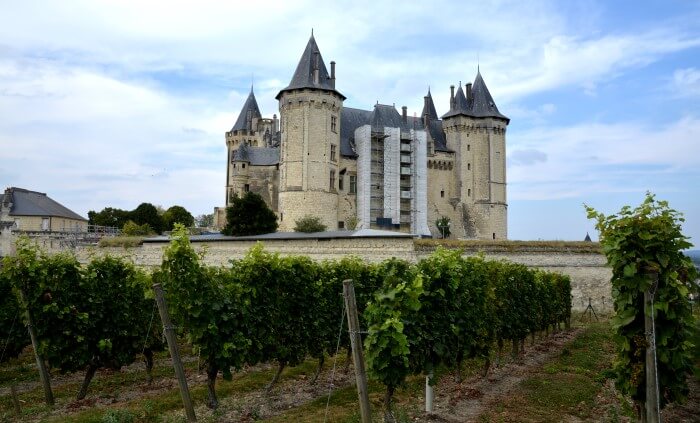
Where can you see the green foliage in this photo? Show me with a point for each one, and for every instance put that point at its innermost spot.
(147, 213)
(309, 224)
(391, 318)
(13, 333)
(177, 214)
(351, 223)
(443, 225)
(120, 241)
(96, 316)
(109, 216)
(132, 228)
(249, 215)
(638, 242)
(205, 220)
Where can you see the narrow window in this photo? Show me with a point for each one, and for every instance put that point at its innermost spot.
(246, 187)
(333, 147)
(469, 147)
(334, 124)
(353, 184)
(494, 235)
(469, 192)
(469, 166)
(442, 193)
(340, 182)
(332, 180)
(281, 217)
(243, 165)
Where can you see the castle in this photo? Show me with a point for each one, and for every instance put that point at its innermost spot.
(376, 168)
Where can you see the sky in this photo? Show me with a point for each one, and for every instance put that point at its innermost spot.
(115, 103)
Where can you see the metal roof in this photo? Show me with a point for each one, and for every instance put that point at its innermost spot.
(32, 203)
(480, 104)
(432, 113)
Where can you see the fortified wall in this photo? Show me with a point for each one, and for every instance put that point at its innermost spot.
(582, 261)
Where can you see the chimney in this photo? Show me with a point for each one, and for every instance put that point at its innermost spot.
(275, 124)
(316, 70)
(470, 95)
(333, 74)
(404, 114)
(452, 97)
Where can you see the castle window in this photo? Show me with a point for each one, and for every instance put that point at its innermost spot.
(340, 182)
(442, 194)
(341, 224)
(469, 147)
(334, 124)
(469, 192)
(234, 165)
(333, 148)
(469, 166)
(353, 184)
(243, 165)
(332, 180)
(494, 235)
(246, 187)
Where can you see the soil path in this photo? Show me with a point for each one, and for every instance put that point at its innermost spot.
(466, 401)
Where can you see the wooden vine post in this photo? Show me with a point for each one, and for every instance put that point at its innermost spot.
(356, 345)
(174, 352)
(651, 406)
(43, 372)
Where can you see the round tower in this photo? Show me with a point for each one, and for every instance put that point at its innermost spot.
(310, 143)
(475, 130)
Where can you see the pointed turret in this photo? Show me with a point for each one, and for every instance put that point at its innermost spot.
(482, 102)
(311, 72)
(242, 154)
(429, 107)
(460, 105)
(249, 112)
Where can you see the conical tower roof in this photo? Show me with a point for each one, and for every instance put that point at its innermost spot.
(430, 106)
(482, 102)
(304, 74)
(461, 104)
(242, 154)
(249, 111)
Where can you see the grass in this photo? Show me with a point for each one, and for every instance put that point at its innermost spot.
(564, 387)
(509, 246)
(121, 241)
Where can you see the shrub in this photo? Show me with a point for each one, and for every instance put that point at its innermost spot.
(309, 224)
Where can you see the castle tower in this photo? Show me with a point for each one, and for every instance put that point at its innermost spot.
(476, 131)
(244, 131)
(310, 109)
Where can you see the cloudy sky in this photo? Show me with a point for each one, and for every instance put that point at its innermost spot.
(114, 103)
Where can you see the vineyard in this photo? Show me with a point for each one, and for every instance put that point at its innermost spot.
(420, 319)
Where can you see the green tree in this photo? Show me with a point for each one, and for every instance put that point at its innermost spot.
(249, 215)
(205, 220)
(638, 243)
(177, 214)
(147, 213)
(109, 216)
(132, 228)
(309, 224)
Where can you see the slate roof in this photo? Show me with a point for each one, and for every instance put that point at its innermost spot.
(257, 156)
(250, 106)
(32, 203)
(432, 113)
(480, 104)
(304, 74)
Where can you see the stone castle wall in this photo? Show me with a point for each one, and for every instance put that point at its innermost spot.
(588, 271)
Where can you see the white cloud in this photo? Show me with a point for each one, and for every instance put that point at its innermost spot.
(686, 82)
(591, 158)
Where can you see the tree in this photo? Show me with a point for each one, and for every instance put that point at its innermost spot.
(177, 214)
(249, 215)
(132, 228)
(309, 224)
(148, 213)
(109, 216)
(644, 247)
(205, 220)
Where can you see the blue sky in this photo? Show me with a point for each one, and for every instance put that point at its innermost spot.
(115, 103)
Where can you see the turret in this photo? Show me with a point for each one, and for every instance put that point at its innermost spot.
(310, 109)
(475, 131)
